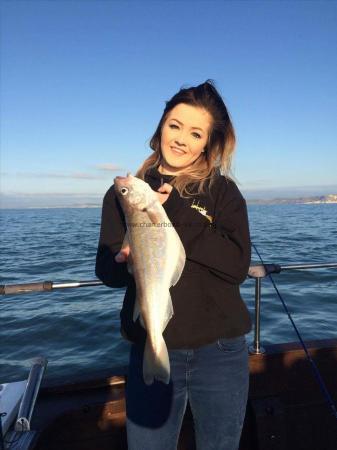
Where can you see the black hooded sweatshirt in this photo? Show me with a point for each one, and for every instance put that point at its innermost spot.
(214, 230)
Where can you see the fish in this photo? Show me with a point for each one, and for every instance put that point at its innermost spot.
(157, 262)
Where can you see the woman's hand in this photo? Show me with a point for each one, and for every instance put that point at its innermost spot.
(163, 192)
(123, 254)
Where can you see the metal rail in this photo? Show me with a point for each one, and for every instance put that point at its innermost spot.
(256, 271)
(260, 271)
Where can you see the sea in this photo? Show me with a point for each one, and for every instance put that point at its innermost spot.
(77, 330)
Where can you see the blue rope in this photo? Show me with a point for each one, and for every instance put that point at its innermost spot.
(312, 362)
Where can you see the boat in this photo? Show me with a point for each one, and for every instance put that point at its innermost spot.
(290, 406)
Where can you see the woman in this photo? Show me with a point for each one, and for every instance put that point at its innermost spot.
(193, 143)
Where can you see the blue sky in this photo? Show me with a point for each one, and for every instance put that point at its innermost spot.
(84, 83)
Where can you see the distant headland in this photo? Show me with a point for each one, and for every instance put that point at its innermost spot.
(330, 198)
(50, 201)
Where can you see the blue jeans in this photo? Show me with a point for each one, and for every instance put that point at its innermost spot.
(213, 378)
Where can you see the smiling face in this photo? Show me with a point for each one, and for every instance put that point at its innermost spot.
(184, 136)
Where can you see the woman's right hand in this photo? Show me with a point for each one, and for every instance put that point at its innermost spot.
(163, 192)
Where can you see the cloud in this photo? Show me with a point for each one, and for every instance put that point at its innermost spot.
(71, 176)
(256, 183)
(108, 167)
(10, 194)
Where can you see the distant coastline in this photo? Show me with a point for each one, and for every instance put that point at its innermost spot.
(318, 199)
(330, 198)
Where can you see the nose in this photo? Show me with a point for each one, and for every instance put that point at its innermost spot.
(180, 139)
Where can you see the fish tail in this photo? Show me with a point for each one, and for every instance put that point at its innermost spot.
(156, 364)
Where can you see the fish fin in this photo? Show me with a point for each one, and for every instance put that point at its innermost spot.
(168, 312)
(180, 266)
(154, 216)
(136, 313)
(156, 364)
(136, 310)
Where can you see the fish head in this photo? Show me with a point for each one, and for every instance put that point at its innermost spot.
(133, 193)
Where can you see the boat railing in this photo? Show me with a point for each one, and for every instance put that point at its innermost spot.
(258, 272)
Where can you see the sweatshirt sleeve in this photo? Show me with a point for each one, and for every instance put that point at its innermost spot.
(224, 246)
(112, 233)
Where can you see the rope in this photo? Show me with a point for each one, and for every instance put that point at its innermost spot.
(314, 368)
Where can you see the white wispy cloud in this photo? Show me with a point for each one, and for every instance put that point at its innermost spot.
(71, 176)
(48, 194)
(256, 183)
(108, 167)
(91, 175)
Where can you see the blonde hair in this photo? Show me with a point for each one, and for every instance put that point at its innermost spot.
(217, 155)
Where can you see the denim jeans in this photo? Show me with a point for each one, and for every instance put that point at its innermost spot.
(213, 378)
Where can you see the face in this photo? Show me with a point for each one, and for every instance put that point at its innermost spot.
(184, 136)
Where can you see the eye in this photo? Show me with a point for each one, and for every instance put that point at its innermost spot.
(172, 125)
(124, 191)
(196, 135)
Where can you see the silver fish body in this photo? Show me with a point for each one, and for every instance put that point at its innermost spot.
(158, 259)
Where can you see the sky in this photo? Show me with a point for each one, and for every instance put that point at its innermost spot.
(84, 84)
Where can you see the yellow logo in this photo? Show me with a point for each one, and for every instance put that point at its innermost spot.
(202, 210)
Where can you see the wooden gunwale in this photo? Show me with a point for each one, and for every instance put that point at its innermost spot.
(286, 408)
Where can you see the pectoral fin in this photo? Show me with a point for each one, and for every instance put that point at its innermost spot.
(169, 311)
(154, 216)
(179, 266)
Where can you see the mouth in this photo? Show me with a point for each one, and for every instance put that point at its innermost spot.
(120, 182)
(178, 151)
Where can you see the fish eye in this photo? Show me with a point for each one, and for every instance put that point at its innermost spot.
(124, 191)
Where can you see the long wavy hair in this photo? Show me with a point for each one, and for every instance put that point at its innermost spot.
(217, 155)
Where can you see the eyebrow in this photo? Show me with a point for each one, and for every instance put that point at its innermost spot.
(193, 128)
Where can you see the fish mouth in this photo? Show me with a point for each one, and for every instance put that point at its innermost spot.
(119, 179)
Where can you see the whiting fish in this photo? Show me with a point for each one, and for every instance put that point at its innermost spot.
(158, 259)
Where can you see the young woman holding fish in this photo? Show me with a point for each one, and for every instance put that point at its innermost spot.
(189, 171)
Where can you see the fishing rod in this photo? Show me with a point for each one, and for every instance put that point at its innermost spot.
(255, 271)
(268, 269)
(45, 286)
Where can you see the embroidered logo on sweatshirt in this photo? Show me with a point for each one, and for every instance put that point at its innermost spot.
(202, 210)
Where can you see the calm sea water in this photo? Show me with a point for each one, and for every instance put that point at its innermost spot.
(78, 329)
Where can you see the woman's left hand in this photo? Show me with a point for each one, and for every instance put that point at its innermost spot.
(163, 192)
